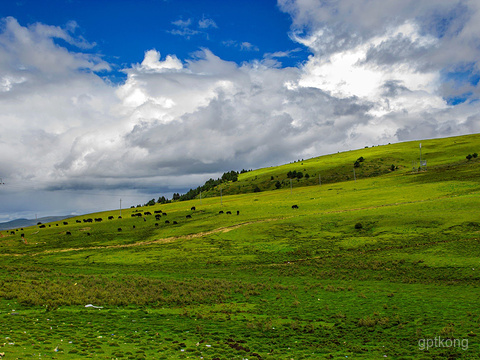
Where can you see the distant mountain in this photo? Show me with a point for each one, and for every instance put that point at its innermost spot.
(19, 223)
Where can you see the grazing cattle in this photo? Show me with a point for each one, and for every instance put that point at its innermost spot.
(134, 226)
(157, 217)
(174, 222)
(110, 218)
(167, 222)
(188, 216)
(55, 225)
(65, 223)
(144, 219)
(294, 206)
(147, 213)
(220, 212)
(164, 214)
(119, 229)
(41, 227)
(193, 208)
(119, 217)
(156, 224)
(89, 220)
(68, 233)
(238, 212)
(157, 212)
(229, 213)
(88, 234)
(98, 219)
(22, 235)
(78, 221)
(12, 232)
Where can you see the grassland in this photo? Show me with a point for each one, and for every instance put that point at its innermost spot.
(271, 282)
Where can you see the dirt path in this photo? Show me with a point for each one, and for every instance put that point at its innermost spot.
(150, 242)
(220, 230)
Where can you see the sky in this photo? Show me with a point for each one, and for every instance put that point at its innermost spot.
(132, 100)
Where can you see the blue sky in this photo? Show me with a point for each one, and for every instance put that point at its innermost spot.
(102, 100)
(123, 30)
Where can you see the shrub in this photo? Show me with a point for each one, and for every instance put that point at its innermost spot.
(469, 157)
(358, 226)
(368, 321)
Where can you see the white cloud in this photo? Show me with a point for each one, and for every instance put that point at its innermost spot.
(152, 62)
(248, 46)
(185, 29)
(206, 23)
(371, 79)
(243, 46)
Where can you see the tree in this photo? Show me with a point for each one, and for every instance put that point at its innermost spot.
(176, 196)
(150, 203)
(299, 175)
(475, 155)
(230, 176)
(469, 157)
(257, 189)
(161, 200)
(278, 185)
(356, 164)
(392, 168)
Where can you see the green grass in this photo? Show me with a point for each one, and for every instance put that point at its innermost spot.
(271, 283)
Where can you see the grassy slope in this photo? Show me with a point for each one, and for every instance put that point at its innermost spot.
(339, 167)
(272, 282)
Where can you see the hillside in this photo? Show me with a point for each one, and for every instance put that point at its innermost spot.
(339, 167)
(365, 269)
(18, 223)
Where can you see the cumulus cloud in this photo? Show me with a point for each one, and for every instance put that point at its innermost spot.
(398, 56)
(382, 74)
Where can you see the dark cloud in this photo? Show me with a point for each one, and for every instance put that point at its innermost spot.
(379, 72)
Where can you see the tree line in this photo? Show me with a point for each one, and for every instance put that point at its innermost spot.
(193, 193)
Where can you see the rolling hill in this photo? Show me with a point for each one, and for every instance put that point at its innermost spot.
(377, 161)
(384, 266)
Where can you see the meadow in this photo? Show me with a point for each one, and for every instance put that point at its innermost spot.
(384, 266)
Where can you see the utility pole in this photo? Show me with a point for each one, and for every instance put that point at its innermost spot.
(290, 186)
(354, 177)
(200, 197)
(120, 207)
(319, 180)
(221, 202)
